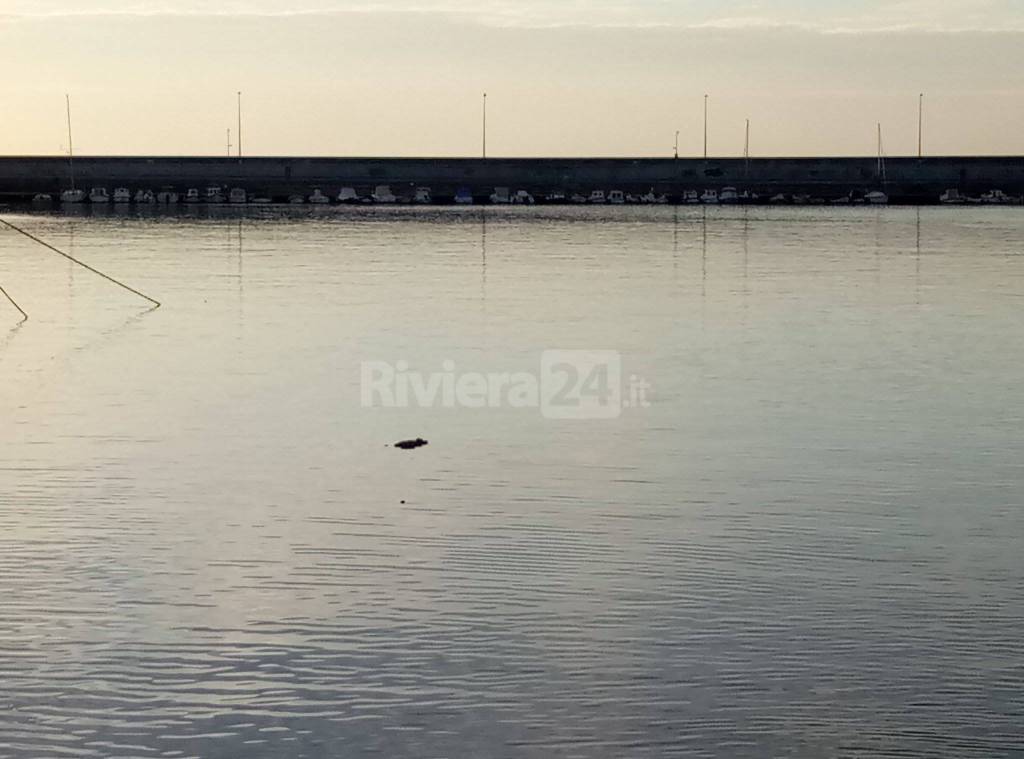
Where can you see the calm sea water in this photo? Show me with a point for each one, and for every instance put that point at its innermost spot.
(808, 544)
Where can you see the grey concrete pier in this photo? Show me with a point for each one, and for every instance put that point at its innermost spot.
(911, 180)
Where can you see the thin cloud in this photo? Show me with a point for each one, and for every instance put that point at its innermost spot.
(872, 15)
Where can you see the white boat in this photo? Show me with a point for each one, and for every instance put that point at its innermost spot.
(522, 198)
(597, 196)
(709, 197)
(616, 197)
(463, 197)
(144, 196)
(349, 195)
(501, 196)
(214, 195)
(296, 200)
(998, 198)
(99, 195)
(192, 196)
(237, 196)
(73, 196)
(779, 199)
(801, 200)
(632, 199)
(876, 198)
(729, 195)
(168, 197)
(260, 200)
(952, 198)
(423, 196)
(578, 199)
(554, 197)
(650, 198)
(691, 197)
(122, 195)
(318, 198)
(382, 194)
(42, 197)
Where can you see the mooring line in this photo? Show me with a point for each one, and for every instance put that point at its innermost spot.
(14, 303)
(75, 260)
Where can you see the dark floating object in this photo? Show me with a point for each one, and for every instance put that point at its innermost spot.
(410, 445)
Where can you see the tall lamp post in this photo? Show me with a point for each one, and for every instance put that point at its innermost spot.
(239, 124)
(677, 144)
(485, 125)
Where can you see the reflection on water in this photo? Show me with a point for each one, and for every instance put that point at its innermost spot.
(808, 545)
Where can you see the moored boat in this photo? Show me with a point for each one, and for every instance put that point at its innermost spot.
(73, 196)
(463, 197)
(122, 195)
(522, 198)
(616, 197)
(423, 196)
(650, 197)
(237, 196)
(349, 196)
(876, 198)
(99, 195)
(318, 198)
(709, 197)
(192, 195)
(144, 196)
(382, 194)
(998, 198)
(214, 195)
(597, 196)
(501, 196)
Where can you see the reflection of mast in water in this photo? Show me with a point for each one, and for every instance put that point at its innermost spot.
(878, 248)
(71, 265)
(483, 256)
(746, 261)
(675, 240)
(241, 278)
(704, 253)
(917, 260)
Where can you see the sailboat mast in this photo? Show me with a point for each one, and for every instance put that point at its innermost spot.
(882, 160)
(71, 147)
(746, 150)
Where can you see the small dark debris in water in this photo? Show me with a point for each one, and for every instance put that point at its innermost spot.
(403, 501)
(410, 445)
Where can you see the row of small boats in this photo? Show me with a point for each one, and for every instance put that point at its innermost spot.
(382, 194)
(990, 198)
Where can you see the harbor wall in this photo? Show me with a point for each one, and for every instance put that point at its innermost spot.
(905, 179)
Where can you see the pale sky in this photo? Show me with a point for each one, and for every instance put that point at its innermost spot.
(577, 77)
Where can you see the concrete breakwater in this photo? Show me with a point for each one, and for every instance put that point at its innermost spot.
(907, 180)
